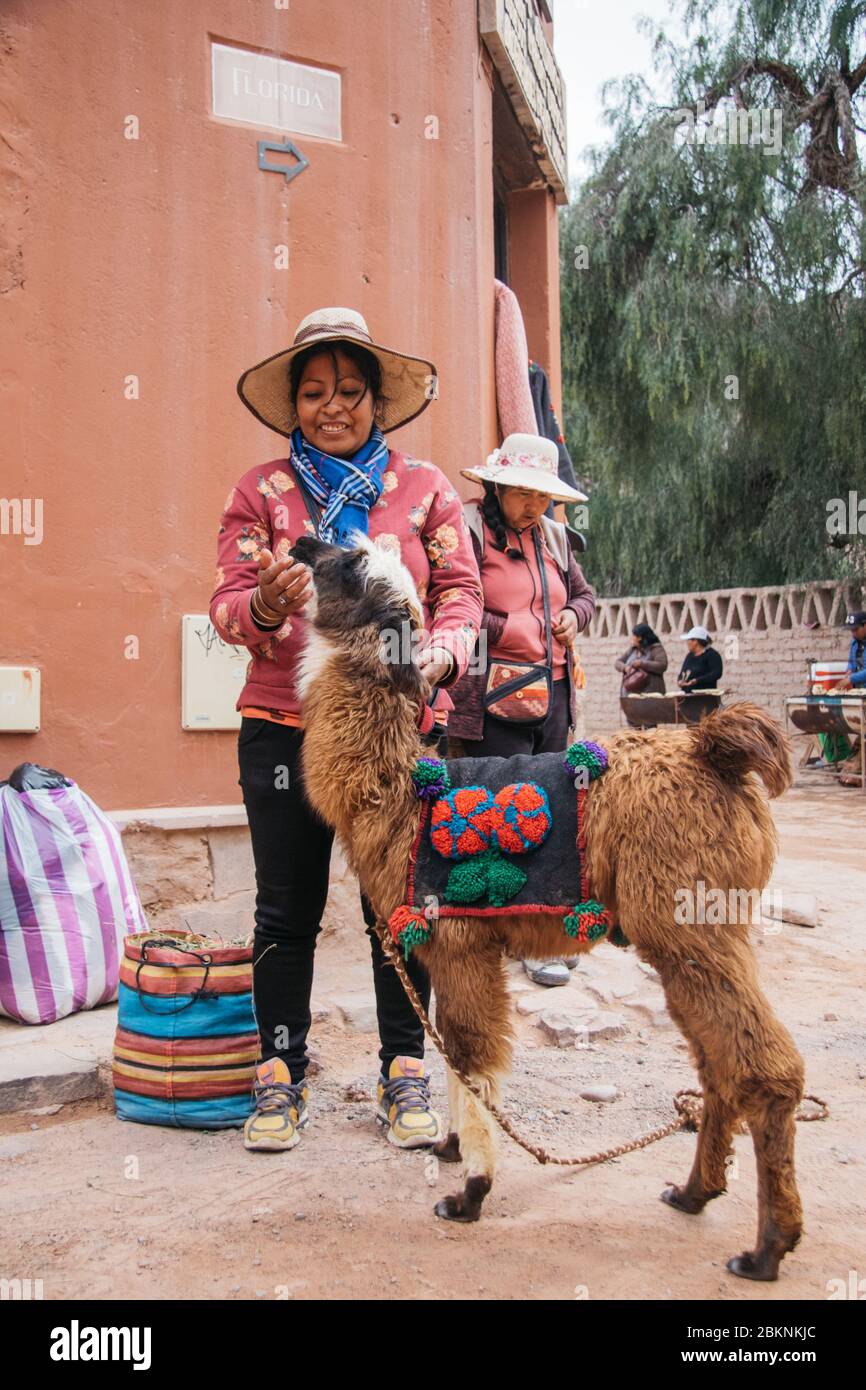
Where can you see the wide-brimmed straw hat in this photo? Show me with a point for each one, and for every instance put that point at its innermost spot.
(408, 383)
(526, 460)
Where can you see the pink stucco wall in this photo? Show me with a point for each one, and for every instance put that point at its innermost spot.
(155, 258)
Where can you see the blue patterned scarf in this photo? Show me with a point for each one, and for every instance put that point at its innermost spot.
(345, 488)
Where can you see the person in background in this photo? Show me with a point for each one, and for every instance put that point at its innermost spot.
(645, 653)
(510, 531)
(855, 676)
(854, 679)
(701, 670)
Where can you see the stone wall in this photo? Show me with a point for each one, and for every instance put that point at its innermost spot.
(765, 637)
(203, 880)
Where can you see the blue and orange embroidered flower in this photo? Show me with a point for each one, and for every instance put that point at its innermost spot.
(463, 822)
(478, 828)
(525, 817)
(471, 819)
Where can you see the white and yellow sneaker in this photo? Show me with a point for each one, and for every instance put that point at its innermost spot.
(404, 1105)
(281, 1109)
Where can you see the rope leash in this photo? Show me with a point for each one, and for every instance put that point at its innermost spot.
(687, 1103)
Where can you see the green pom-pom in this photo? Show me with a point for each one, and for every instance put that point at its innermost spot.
(505, 881)
(484, 875)
(589, 921)
(413, 936)
(409, 927)
(467, 882)
(586, 755)
(431, 778)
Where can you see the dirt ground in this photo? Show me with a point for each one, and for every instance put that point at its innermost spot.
(100, 1209)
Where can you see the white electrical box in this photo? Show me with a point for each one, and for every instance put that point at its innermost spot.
(213, 674)
(20, 691)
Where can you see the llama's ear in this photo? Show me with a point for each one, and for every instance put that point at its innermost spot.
(309, 549)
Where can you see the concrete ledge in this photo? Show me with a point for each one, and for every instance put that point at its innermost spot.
(54, 1063)
(180, 817)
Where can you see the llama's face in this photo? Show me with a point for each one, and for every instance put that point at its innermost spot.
(364, 602)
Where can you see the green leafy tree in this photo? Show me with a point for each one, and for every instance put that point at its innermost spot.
(714, 326)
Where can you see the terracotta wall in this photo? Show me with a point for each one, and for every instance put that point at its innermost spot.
(534, 270)
(155, 258)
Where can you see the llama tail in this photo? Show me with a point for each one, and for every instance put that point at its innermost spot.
(744, 738)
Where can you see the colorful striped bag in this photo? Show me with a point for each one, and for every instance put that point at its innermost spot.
(186, 1046)
(67, 900)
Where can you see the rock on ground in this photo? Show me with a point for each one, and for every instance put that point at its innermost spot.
(600, 1093)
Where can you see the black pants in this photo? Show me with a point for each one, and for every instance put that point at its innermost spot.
(292, 853)
(503, 740)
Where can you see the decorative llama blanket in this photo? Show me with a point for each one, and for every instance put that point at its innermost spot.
(499, 836)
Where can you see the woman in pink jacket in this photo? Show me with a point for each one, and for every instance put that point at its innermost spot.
(519, 696)
(334, 393)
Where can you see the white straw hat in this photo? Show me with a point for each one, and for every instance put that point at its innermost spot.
(408, 383)
(526, 460)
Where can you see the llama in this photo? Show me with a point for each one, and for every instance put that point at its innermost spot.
(673, 807)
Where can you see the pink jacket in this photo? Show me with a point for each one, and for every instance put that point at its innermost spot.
(418, 515)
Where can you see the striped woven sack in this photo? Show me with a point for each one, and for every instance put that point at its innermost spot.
(186, 1046)
(67, 900)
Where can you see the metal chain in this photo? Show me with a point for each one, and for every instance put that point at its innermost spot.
(688, 1104)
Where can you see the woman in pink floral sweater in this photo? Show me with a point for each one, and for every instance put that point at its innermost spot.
(333, 393)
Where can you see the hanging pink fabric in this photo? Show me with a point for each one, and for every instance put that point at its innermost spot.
(513, 397)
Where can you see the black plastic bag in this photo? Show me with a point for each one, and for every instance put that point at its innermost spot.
(31, 777)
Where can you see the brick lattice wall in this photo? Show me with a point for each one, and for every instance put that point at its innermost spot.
(761, 634)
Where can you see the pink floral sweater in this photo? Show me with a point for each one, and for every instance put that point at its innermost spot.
(418, 516)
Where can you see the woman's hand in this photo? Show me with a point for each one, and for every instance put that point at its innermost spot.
(435, 663)
(564, 628)
(284, 585)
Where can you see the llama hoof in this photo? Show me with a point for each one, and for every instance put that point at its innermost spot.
(465, 1205)
(454, 1209)
(448, 1150)
(748, 1266)
(678, 1197)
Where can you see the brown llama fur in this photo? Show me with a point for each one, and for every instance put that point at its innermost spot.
(673, 808)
